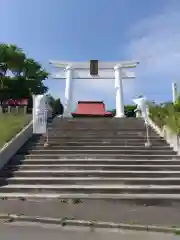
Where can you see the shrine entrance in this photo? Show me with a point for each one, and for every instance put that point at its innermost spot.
(94, 70)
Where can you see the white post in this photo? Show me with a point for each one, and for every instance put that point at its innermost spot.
(174, 92)
(39, 114)
(119, 92)
(68, 92)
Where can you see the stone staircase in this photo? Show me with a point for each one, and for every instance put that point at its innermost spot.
(94, 158)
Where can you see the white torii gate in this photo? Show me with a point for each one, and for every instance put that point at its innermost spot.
(106, 70)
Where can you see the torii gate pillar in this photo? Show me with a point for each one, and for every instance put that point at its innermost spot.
(68, 92)
(119, 92)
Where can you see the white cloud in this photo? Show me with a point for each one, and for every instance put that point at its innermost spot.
(155, 42)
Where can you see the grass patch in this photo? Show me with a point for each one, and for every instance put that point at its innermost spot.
(11, 124)
(177, 232)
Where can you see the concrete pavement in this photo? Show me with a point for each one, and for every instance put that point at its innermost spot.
(16, 231)
(99, 210)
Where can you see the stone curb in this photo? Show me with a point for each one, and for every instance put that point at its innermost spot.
(82, 223)
(11, 147)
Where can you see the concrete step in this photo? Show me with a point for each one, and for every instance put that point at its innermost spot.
(90, 180)
(100, 138)
(105, 135)
(93, 167)
(91, 189)
(102, 142)
(97, 156)
(145, 151)
(99, 128)
(98, 131)
(97, 147)
(90, 173)
(128, 197)
(100, 125)
(125, 123)
(137, 162)
(98, 120)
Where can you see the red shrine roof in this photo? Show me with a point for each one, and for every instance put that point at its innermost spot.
(91, 108)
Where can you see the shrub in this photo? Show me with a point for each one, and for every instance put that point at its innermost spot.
(57, 107)
(166, 115)
(128, 110)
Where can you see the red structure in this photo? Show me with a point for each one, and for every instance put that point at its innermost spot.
(91, 109)
(15, 102)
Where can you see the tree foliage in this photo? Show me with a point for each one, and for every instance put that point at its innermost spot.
(19, 76)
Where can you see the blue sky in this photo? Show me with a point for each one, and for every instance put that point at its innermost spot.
(108, 30)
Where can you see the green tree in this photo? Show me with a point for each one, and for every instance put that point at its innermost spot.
(19, 76)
